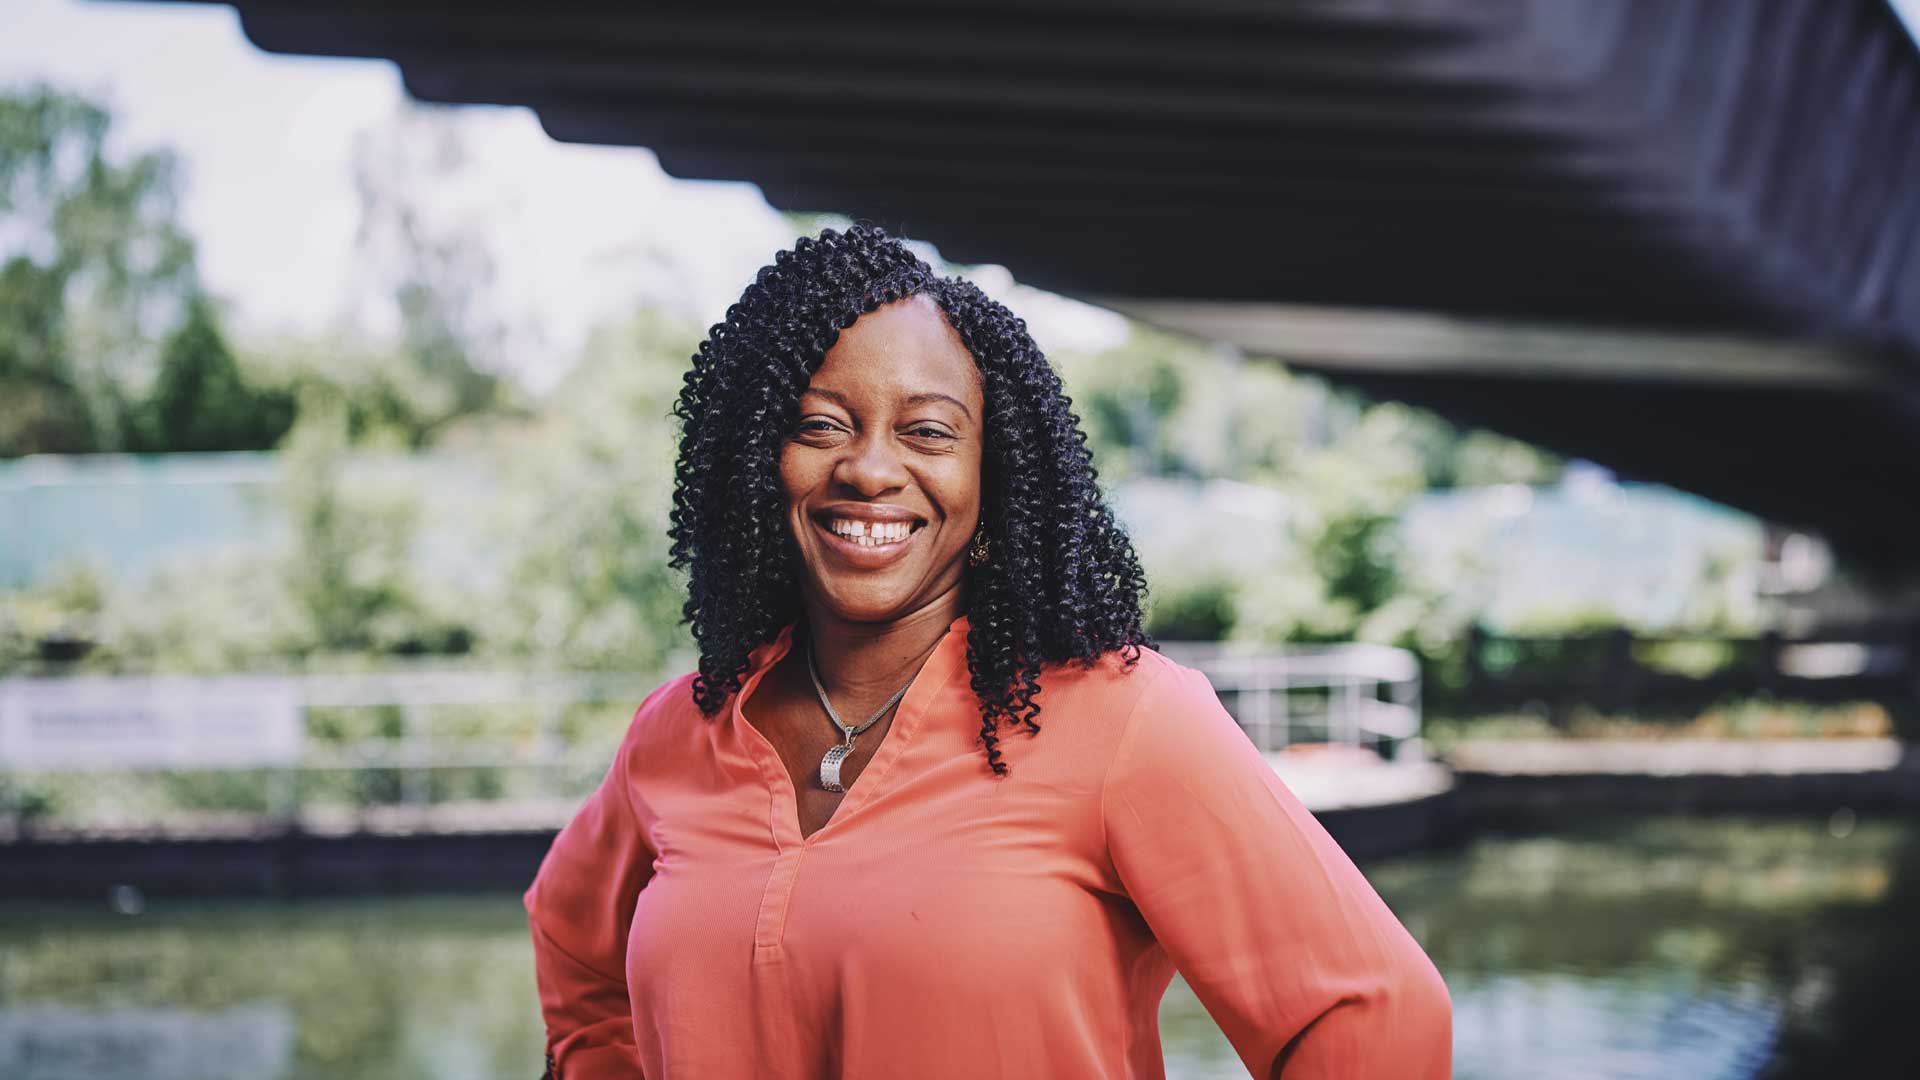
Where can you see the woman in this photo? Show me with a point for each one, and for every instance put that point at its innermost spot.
(822, 856)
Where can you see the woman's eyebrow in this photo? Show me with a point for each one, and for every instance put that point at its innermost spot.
(912, 399)
(833, 396)
(923, 398)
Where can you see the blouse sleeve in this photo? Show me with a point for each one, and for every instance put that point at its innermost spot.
(579, 909)
(1303, 966)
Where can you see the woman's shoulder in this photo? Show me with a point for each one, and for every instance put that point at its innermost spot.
(675, 692)
(668, 708)
(1122, 677)
(1126, 697)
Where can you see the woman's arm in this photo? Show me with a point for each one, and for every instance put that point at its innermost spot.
(579, 910)
(1299, 961)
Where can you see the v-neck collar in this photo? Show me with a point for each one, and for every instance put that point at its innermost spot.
(948, 659)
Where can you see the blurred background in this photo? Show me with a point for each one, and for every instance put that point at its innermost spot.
(1513, 403)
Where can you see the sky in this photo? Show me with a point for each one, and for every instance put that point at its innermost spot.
(579, 234)
(1909, 13)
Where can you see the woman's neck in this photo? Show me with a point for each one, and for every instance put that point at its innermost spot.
(866, 662)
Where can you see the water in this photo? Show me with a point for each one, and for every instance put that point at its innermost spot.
(1635, 947)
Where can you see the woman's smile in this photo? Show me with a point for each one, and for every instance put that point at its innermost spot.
(868, 541)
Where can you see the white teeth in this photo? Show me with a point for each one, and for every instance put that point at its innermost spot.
(870, 533)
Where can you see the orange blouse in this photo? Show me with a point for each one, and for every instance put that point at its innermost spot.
(949, 923)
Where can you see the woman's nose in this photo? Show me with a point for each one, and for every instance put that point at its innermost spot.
(872, 464)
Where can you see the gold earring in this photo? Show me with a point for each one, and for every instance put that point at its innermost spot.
(977, 554)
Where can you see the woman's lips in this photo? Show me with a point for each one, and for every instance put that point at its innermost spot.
(866, 557)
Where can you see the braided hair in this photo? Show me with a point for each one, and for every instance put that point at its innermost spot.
(1063, 582)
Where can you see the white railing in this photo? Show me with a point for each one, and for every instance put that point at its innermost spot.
(1355, 694)
(162, 724)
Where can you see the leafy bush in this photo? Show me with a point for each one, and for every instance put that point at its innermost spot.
(1200, 610)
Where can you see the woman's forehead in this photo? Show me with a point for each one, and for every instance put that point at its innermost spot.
(899, 350)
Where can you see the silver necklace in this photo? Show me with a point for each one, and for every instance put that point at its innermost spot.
(830, 765)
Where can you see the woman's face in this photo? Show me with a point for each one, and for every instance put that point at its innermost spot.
(882, 471)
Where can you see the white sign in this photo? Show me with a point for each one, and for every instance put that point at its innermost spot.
(100, 723)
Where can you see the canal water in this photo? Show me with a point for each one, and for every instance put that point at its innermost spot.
(1628, 947)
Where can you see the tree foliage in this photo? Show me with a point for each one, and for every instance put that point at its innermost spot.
(437, 265)
(590, 587)
(202, 400)
(107, 341)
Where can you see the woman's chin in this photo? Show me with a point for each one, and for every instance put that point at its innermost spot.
(870, 596)
(865, 601)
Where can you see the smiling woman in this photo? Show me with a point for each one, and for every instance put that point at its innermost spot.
(812, 857)
(882, 475)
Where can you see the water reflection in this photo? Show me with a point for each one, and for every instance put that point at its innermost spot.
(414, 989)
(50, 1042)
(1659, 947)
(1644, 947)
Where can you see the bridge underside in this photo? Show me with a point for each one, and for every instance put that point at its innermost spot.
(1737, 180)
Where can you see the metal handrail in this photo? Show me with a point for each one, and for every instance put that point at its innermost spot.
(1360, 694)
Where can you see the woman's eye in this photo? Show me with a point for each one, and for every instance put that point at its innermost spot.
(930, 432)
(814, 426)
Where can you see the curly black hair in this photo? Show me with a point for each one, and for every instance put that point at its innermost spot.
(1062, 582)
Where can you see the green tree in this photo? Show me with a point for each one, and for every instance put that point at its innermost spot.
(349, 571)
(201, 400)
(589, 586)
(442, 271)
(1126, 398)
(94, 268)
(41, 409)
